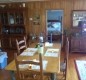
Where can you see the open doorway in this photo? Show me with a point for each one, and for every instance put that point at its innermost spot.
(54, 24)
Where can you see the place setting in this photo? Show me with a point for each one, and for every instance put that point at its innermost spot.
(52, 52)
(34, 67)
(29, 52)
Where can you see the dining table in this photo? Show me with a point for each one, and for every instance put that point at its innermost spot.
(50, 52)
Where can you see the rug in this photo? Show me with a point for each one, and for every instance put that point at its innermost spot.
(81, 69)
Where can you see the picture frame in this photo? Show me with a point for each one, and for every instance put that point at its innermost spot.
(78, 17)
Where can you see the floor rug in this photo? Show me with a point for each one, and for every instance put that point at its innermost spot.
(81, 69)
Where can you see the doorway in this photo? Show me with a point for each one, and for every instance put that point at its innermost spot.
(54, 24)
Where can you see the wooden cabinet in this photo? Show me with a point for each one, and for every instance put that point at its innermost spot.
(78, 44)
(78, 31)
(8, 41)
(12, 26)
(83, 44)
(12, 22)
(75, 44)
(5, 42)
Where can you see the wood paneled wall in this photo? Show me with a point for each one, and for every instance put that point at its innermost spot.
(40, 8)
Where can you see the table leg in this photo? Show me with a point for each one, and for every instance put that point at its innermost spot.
(12, 74)
(53, 76)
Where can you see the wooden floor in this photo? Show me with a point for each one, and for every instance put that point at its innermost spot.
(72, 74)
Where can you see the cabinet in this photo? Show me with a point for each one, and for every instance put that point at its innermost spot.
(75, 44)
(12, 27)
(78, 44)
(5, 42)
(12, 22)
(78, 31)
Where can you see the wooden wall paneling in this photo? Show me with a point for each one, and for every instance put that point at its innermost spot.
(26, 17)
(45, 7)
(69, 8)
(43, 20)
(37, 28)
(30, 15)
(41, 7)
(34, 9)
(57, 5)
(63, 6)
(67, 13)
(78, 5)
(64, 15)
(84, 4)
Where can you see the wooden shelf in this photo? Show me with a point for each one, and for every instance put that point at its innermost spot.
(13, 27)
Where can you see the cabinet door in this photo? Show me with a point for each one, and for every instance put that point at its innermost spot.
(75, 44)
(5, 43)
(13, 43)
(83, 44)
(19, 18)
(11, 18)
(4, 18)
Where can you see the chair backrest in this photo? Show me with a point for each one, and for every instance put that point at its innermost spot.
(67, 47)
(67, 55)
(21, 45)
(28, 73)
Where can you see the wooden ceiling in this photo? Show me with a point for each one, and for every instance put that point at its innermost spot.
(13, 1)
(10, 1)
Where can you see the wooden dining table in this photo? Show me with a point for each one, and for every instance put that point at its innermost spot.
(53, 65)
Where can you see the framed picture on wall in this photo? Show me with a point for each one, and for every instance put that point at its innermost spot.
(78, 18)
(36, 19)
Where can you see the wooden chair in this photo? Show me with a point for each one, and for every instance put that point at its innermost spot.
(64, 64)
(21, 45)
(29, 73)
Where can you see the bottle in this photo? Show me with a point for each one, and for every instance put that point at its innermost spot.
(41, 38)
(40, 49)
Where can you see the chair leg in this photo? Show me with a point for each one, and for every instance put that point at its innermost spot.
(49, 78)
(61, 76)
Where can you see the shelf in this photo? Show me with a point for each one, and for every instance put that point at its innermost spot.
(12, 35)
(12, 26)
